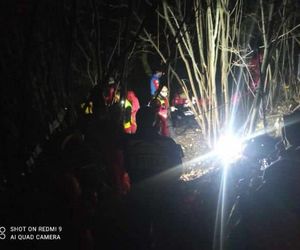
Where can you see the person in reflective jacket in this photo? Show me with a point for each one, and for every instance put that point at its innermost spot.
(132, 105)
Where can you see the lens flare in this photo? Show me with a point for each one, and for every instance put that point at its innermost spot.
(229, 148)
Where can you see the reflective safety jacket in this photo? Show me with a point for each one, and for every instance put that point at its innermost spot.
(164, 105)
(163, 116)
(127, 115)
(88, 108)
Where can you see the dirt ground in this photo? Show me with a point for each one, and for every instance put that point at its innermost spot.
(193, 147)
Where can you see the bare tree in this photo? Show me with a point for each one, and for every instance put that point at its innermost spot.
(213, 40)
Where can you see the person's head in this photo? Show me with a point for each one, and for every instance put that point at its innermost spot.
(291, 130)
(117, 96)
(164, 92)
(158, 73)
(155, 105)
(130, 95)
(111, 81)
(145, 119)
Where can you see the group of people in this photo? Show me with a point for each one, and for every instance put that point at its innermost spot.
(143, 162)
(104, 179)
(159, 102)
(117, 186)
(110, 95)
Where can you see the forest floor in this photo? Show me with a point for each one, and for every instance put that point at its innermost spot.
(194, 147)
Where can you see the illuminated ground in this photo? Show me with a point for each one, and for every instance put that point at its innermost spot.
(193, 146)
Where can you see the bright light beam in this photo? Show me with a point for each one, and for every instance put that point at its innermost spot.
(229, 148)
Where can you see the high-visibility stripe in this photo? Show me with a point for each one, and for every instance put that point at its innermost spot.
(128, 104)
(127, 125)
(88, 109)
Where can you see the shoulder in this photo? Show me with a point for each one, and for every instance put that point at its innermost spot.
(169, 143)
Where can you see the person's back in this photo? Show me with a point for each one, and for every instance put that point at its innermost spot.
(151, 161)
(149, 156)
(147, 153)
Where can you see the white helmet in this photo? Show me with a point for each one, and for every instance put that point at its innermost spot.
(164, 91)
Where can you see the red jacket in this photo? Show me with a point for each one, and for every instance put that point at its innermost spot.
(135, 105)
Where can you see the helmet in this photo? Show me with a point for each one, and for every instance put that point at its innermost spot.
(164, 91)
(111, 81)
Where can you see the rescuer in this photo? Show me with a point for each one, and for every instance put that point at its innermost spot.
(132, 98)
(254, 68)
(132, 105)
(110, 91)
(161, 105)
